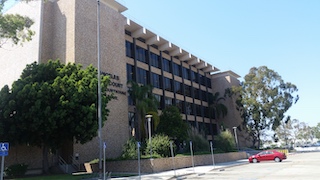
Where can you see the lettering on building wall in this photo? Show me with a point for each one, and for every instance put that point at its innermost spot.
(114, 84)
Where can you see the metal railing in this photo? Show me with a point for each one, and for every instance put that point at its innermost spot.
(75, 163)
(63, 164)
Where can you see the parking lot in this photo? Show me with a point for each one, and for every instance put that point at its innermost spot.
(298, 166)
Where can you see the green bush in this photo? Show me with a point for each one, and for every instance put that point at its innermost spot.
(129, 150)
(199, 142)
(160, 145)
(16, 170)
(225, 142)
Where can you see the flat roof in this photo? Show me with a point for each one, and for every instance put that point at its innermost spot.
(115, 5)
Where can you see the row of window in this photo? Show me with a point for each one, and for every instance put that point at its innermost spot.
(167, 83)
(201, 125)
(167, 65)
(184, 107)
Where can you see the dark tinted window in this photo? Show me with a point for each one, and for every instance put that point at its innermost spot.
(167, 84)
(167, 101)
(187, 90)
(178, 87)
(194, 77)
(166, 65)
(155, 80)
(196, 93)
(130, 72)
(202, 80)
(179, 104)
(154, 60)
(141, 54)
(142, 76)
(129, 49)
(186, 73)
(176, 69)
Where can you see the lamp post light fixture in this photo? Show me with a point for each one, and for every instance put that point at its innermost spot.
(149, 116)
(236, 137)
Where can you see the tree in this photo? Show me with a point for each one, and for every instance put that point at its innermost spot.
(304, 133)
(52, 104)
(316, 131)
(286, 131)
(225, 142)
(14, 27)
(217, 108)
(171, 124)
(144, 102)
(264, 97)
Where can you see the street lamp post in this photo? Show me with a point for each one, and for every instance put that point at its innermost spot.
(149, 128)
(99, 88)
(236, 137)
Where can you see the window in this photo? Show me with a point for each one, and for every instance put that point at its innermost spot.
(194, 77)
(141, 54)
(209, 82)
(166, 65)
(196, 93)
(167, 101)
(154, 60)
(158, 97)
(189, 108)
(129, 48)
(198, 110)
(130, 72)
(204, 96)
(202, 80)
(167, 84)
(142, 76)
(187, 90)
(130, 101)
(155, 80)
(176, 69)
(185, 73)
(178, 87)
(179, 105)
(207, 113)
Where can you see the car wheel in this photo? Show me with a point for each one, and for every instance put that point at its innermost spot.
(276, 159)
(254, 160)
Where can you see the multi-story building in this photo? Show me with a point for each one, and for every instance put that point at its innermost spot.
(67, 30)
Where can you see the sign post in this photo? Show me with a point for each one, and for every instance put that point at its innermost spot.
(138, 149)
(4, 148)
(104, 160)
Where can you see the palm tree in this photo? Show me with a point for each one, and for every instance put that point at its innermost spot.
(144, 102)
(217, 109)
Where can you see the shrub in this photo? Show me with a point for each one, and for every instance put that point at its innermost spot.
(16, 170)
(225, 142)
(160, 145)
(129, 150)
(199, 142)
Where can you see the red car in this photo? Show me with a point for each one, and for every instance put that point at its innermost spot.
(268, 155)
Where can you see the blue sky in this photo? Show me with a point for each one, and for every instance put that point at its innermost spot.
(283, 35)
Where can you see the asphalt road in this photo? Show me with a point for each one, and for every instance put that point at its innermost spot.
(299, 166)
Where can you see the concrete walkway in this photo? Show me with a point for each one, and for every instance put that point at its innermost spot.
(180, 173)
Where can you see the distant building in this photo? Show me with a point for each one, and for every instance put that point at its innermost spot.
(67, 30)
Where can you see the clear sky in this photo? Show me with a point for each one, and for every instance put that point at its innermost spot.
(283, 35)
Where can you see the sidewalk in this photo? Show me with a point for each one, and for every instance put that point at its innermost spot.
(180, 173)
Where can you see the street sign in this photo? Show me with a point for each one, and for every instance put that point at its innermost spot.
(4, 149)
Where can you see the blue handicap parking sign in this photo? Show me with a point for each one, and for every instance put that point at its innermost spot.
(4, 148)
